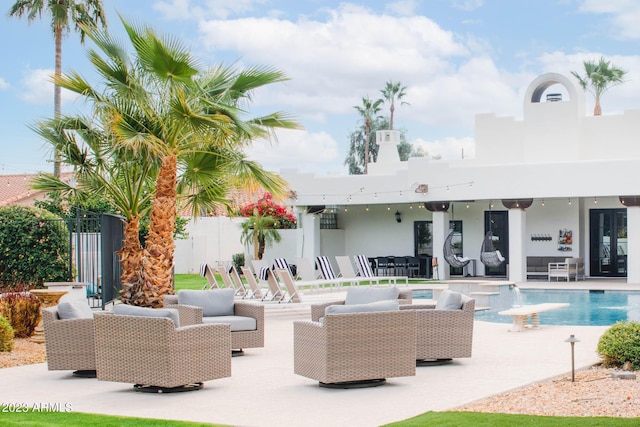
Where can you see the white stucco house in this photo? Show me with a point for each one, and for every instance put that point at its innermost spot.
(554, 183)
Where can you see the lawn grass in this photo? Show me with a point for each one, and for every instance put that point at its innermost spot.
(46, 419)
(480, 419)
(191, 281)
(440, 419)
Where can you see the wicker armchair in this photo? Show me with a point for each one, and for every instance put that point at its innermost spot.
(69, 344)
(317, 310)
(155, 356)
(356, 349)
(443, 335)
(239, 339)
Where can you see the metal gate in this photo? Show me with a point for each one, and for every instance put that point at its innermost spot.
(94, 240)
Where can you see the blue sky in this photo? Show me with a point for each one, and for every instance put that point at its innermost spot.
(457, 58)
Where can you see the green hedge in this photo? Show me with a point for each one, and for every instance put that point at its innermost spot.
(34, 247)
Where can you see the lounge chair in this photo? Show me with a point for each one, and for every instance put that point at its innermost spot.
(305, 270)
(364, 268)
(260, 268)
(328, 274)
(347, 271)
(239, 284)
(276, 293)
(207, 272)
(282, 263)
(239, 290)
(293, 293)
(156, 355)
(255, 290)
(356, 349)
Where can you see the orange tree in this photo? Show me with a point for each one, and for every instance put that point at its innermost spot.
(264, 218)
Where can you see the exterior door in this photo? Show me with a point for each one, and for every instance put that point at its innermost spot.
(498, 223)
(608, 242)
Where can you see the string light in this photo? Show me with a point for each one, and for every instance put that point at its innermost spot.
(595, 200)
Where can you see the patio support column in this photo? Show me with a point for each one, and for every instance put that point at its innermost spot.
(310, 240)
(440, 233)
(517, 235)
(633, 244)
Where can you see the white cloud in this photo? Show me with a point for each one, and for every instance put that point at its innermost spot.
(297, 149)
(467, 5)
(3, 84)
(624, 15)
(335, 62)
(448, 148)
(38, 88)
(203, 9)
(402, 7)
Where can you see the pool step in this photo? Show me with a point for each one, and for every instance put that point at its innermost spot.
(482, 308)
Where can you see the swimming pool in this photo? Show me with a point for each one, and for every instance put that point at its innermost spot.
(588, 308)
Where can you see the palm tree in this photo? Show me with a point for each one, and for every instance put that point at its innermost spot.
(390, 93)
(63, 14)
(161, 108)
(369, 111)
(598, 78)
(260, 231)
(104, 172)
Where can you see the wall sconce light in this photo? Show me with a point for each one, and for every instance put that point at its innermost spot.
(398, 216)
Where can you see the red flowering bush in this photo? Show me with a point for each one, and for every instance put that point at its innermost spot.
(283, 218)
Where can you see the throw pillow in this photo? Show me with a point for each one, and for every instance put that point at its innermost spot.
(215, 302)
(74, 310)
(367, 294)
(133, 310)
(449, 300)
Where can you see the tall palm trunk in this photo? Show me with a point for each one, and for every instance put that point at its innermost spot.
(391, 109)
(157, 264)
(597, 110)
(57, 95)
(130, 259)
(367, 130)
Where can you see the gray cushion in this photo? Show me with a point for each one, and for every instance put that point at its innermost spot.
(133, 310)
(238, 323)
(388, 305)
(367, 294)
(449, 300)
(216, 302)
(74, 310)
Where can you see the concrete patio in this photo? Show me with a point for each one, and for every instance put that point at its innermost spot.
(263, 390)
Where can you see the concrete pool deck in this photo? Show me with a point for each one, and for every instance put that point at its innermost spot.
(264, 391)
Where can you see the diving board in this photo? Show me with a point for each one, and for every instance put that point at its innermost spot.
(523, 313)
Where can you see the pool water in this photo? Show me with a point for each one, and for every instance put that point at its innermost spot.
(587, 308)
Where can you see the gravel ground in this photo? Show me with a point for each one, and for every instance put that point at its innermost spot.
(594, 392)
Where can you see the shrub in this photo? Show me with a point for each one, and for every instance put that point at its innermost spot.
(238, 261)
(34, 247)
(619, 344)
(22, 310)
(6, 335)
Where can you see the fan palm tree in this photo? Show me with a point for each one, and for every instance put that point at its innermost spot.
(369, 111)
(598, 78)
(101, 171)
(260, 231)
(161, 108)
(393, 91)
(63, 14)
